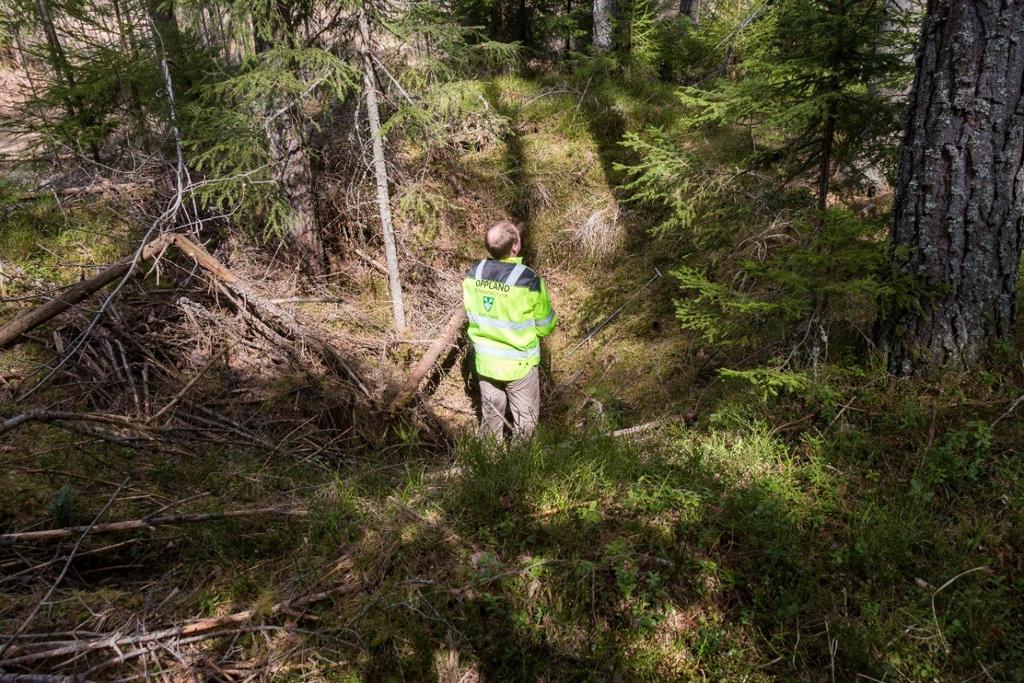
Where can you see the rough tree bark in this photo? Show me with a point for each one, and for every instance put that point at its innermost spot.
(959, 206)
(691, 9)
(603, 11)
(288, 146)
(381, 174)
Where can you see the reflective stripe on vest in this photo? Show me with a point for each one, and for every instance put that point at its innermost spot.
(513, 277)
(545, 321)
(502, 324)
(484, 320)
(505, 352)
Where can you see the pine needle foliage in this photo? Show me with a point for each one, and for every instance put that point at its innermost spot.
(101, 77)
(790, 93)
(758, 181)
(228, 127)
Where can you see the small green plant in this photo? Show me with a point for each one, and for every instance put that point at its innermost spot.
(64, 507)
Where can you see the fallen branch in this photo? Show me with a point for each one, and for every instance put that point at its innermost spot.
(144, 523)
(447, 339)
(33, 318)
(63, 572)
(123, 432)
(278, 319)
(648, 426)
(372, 262)
(96, 188)
(64, 416)
(193, 628)
(1009, 411)
(273, 316)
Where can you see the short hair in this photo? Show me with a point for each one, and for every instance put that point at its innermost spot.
(500, 239)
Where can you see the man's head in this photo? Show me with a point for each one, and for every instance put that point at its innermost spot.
(502, 240)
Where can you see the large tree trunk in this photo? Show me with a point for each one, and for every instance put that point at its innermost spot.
(603, 11)
(286, 135)
(691, 9)
(288, 146)
(380, 172)
(960, 194)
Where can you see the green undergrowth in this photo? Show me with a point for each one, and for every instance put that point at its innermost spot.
(740, 548)
(871, 528)
(43, 240)
(809, 523)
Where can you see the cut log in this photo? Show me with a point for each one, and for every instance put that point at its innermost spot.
(144, 523)
(447, 339)
(33, 318)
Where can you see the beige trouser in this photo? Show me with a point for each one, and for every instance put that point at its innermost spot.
(521, 395)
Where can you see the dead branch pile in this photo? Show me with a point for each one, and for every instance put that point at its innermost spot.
(103, 651)
(198, 356)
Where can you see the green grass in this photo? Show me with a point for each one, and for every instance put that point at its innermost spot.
(734, 549)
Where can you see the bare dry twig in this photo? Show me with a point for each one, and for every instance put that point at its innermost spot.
(145, 523)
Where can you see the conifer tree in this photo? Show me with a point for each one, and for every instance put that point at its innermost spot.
(276, 25)
(812, 113)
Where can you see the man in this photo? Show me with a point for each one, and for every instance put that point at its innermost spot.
(509, 311)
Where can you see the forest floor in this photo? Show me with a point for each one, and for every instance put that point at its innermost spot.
(867, 529)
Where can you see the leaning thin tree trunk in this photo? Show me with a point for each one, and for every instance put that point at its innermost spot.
(959, 208)
(56, 50)
(603, 10)
(448, 338)
(381, 173)
(129, 47)
(62, 66)
(35, 317)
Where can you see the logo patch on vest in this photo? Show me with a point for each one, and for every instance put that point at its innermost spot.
(488, 303)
